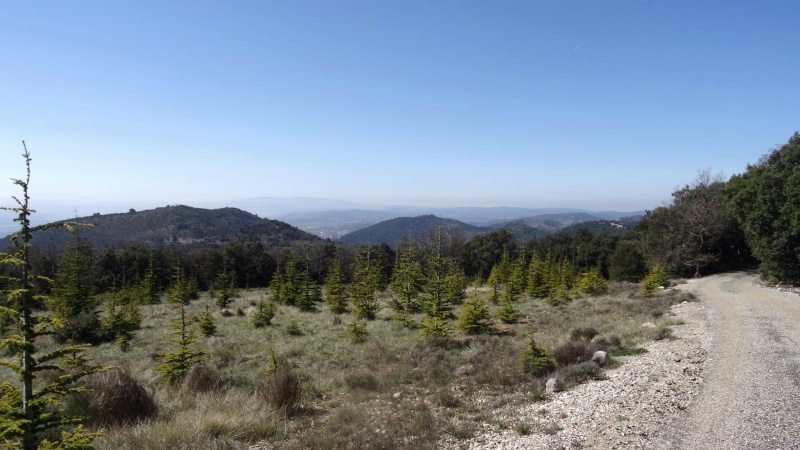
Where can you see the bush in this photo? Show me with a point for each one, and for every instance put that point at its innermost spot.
(576, 374)
(662, 333)
(508, 314)
(573, 352)
(591, 283)
(361, 381)
(608, 342)
(207, 325)
(654, 279)
(583, 334)
(293, 329)
(115, 398)
(200, 378)
(82, 327)
(474, 317)
(282, 391)
(536, 360)
(357, 332)
(265, 312)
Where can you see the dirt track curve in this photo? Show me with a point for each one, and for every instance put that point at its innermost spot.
(751, 395)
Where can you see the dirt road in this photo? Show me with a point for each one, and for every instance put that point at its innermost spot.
(751, 394)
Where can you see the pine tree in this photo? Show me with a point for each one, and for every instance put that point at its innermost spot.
(122, 316)
(655, 279)
(180, 288)
(494, 287)
(406, 284)
(72, 301)
(508, 313)
(175, 365)
(517, 280)
(287, 284)
(590, 283)
(207, 325)
(225, 289)
(148, 293)
(28, 414)
(335, 292)
(265, 311)
(498, 277)
(365, 282)
(537, 277)
(276, 286)
(475, 317)
(536, 360)
(309, 292)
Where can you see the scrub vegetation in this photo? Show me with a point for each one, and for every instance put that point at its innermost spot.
(316, 344)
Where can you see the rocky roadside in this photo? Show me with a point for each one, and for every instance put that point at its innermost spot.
(631, 409)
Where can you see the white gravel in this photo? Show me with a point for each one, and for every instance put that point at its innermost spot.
(631, 409)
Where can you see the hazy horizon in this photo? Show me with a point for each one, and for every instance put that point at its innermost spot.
(442, 104)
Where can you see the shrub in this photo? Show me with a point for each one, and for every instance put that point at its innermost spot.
(207, 325)
(82, 327)
(282, 391)
(573, 352)
(175, 365)
(357, 332)
(293, 329)
(265, 312)
(115, 398)
(433, 325)
(590, 284)
(523, 429)
(536, 360)
(575, 374)
(654, 279)
(474, 317)
(608, 342)
(662, 333)
(362, 381)
(583, 334)
(200, 378)
(508, 314)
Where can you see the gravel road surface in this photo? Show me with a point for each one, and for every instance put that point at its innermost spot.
(751, 395)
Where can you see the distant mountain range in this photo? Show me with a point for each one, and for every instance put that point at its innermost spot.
(335, 224)
(181, 227)
(395, 230)
(190, 227)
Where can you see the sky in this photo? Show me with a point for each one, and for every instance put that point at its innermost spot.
(601, 105)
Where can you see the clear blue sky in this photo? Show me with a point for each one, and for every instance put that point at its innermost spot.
(592, 104)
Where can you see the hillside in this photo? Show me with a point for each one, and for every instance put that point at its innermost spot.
(548, 222)
(394, 230)
(612, 227)
(178, 226)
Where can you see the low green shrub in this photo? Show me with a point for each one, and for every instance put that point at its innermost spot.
(357, 332)
(576, 374)
(535, 360)
(583, 334)
(364, 381)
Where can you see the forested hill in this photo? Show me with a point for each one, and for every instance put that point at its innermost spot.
(394, 230)
(549, 222)
(179, 226)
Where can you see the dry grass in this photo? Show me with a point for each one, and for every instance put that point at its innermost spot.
(395, 390)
